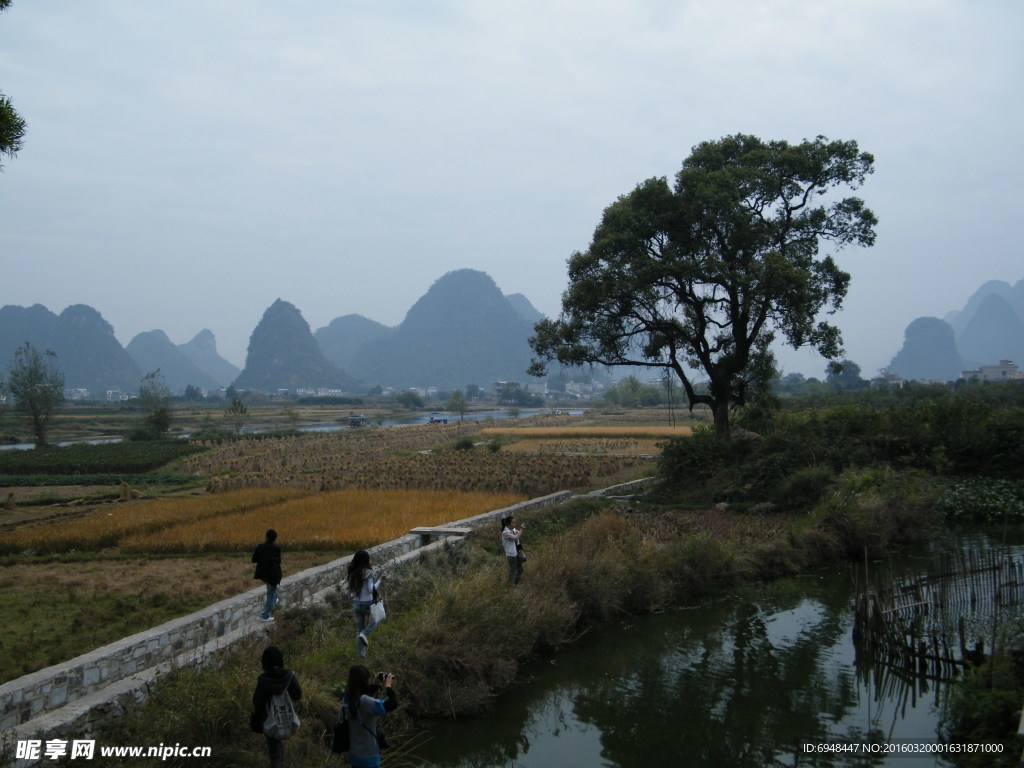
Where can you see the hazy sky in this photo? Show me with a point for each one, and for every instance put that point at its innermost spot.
(189, 162)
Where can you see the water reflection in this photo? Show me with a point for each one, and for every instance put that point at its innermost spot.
(743, 682)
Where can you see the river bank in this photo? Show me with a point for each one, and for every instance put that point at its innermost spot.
(458, 635)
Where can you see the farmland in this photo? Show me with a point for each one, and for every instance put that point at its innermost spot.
(82, 566)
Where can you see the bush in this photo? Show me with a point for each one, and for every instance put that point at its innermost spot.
(872, 510)
(984, 708)
(975, 499)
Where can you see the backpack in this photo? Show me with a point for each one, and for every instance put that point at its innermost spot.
(342, 740)
(282, 721)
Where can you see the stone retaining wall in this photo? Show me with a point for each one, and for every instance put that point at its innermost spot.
(69, 698)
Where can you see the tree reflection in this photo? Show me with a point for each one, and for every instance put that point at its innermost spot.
(745, 682)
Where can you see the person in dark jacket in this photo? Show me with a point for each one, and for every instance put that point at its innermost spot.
(360, 709)
(268, 569)
(275, 679)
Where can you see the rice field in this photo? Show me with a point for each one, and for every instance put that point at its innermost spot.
(422, 458)
(108, 525)
(592, 447)
(569, 432)
(344, 520)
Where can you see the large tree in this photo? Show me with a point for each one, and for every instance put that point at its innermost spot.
(701, 277)
(37, 386)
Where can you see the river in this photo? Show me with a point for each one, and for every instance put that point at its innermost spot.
(746, 681)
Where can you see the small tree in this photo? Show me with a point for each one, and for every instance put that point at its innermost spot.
(457, 404)
(236, 414)
(37, 386)
(155, 399)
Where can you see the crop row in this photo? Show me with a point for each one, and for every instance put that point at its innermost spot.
(24, 481)
(95, 459)
(479, 471)
(597, 446)
(108, 525)
(344, 520)
(570, 432)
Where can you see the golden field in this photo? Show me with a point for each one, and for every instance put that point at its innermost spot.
(107, 525)
(347, 520)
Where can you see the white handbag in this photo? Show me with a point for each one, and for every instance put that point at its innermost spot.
(377, 612)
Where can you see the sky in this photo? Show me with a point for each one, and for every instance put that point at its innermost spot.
(187, 163)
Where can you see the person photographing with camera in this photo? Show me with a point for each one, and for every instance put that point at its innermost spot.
(510, 536)
(361, 710)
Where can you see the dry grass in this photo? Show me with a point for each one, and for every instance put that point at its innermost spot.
(165, 580)
(590, 447)
(652, 432)
(350, 519)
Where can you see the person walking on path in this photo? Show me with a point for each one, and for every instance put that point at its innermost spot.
(510, 536)
(361, 710)
(362, 585)
(268, 569)
(275, 679)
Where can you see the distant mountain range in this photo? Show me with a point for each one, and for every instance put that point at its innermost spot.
(989, 328)
(462, 331)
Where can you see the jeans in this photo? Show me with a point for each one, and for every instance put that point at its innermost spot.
(271, 600)
(515, 569)
(364, 625)
(275, 748)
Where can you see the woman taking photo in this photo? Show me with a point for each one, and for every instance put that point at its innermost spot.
(362, 585)
(510, 536)
(360, 710)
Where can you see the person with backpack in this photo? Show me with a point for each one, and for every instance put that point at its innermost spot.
(362, 585)
(273, 713)
(268, 569)
(360, 711)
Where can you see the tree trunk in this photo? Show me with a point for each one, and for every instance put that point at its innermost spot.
(721, 413)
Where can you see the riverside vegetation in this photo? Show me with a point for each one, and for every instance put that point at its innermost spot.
(818, 486)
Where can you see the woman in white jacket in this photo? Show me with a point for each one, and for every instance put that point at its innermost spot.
(510, 536)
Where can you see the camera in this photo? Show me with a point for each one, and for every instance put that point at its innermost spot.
(382, 676)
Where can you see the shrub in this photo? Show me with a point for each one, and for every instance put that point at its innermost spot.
(984, 708)
(874, 509)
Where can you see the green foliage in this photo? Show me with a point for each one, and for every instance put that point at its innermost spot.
(150, 478)
(457, 404)
(630, 393)
(155, 400)
(464, 444)
(236, 414)
(871, 509)
(83, 459)
(409, 399)
(12, 128)
(984, 708)
(37, 386)
(704, 275)
(982, 499)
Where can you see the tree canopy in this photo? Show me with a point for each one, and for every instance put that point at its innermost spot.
(12, 125)
(37, 386)
(703, 276)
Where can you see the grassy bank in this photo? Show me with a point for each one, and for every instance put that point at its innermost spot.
(458, 635)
